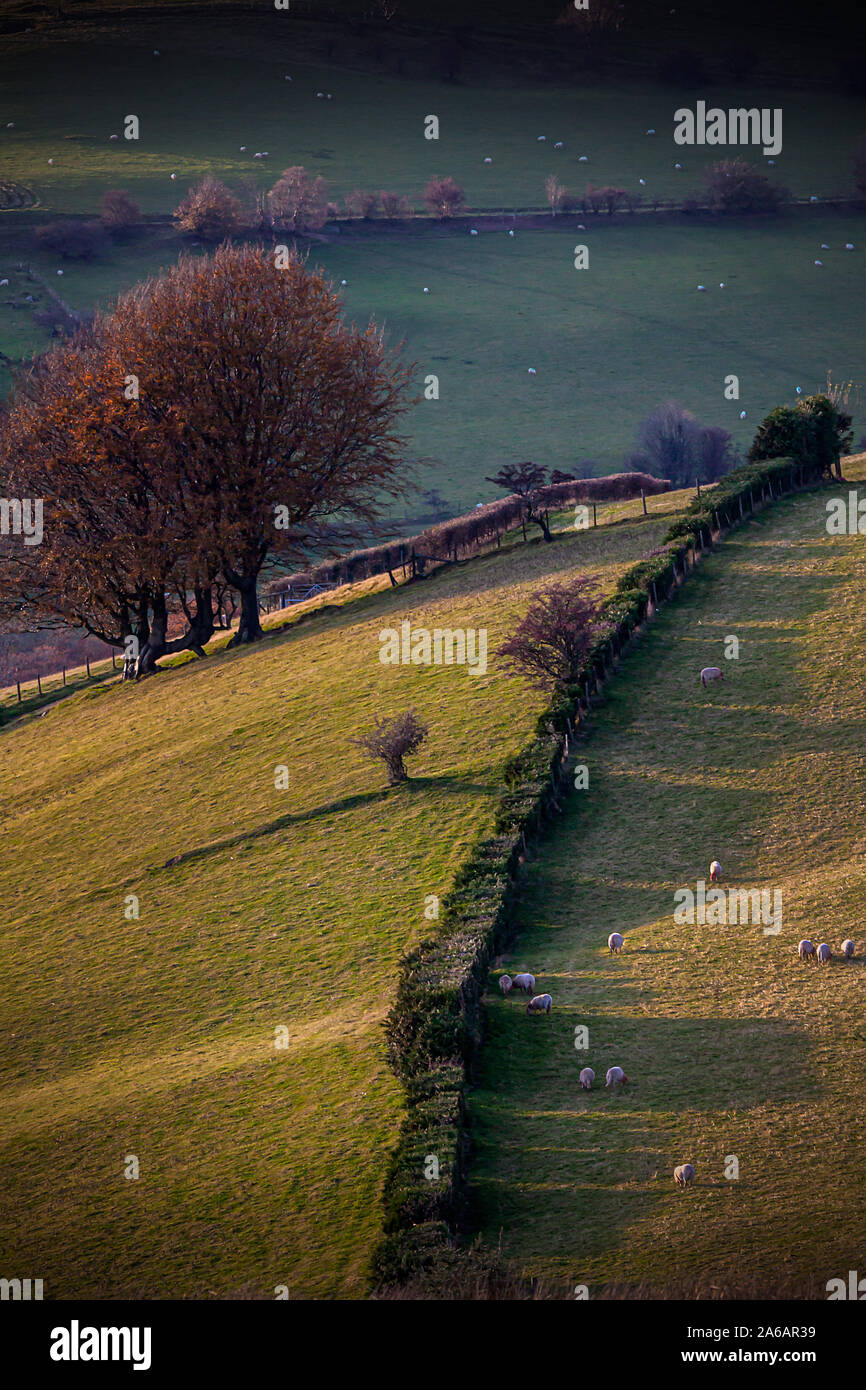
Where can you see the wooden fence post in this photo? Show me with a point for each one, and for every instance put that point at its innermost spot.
(594, 516)
(112, 663)
(643, 499)
(18, 683)
(87, 662)
(698, 485)
(39, 682)
(64, 672)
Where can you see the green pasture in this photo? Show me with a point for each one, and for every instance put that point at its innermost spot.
(260, 909)
(733, 1048)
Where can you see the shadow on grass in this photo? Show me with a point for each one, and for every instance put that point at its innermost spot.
(415, 786)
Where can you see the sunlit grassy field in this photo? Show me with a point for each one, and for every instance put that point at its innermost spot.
(288, 909)
(733, 1047)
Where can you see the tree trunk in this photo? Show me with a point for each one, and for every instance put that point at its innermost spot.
(199, 632)
(249, 627)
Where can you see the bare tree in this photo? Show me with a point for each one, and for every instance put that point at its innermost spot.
(298, 202)
(392, 740)
(670, 439)
(551, 642)
(526, 479)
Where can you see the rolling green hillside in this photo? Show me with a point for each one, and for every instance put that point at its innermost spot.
(732, 1046)
(288, 909)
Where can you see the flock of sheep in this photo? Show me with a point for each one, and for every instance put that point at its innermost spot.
(543, 1003)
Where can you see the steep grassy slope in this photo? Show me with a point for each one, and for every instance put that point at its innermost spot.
(288, 909)
(732, 1046)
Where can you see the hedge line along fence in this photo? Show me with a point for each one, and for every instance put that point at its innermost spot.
(449, 540)
(434, 1029)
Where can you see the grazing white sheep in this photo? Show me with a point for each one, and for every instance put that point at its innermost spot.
(542, 137)
(684, 1175)
(558, 145)
(847, 948)
(651, 131)
(715, 871)
(506, 984)
(541, 1004)
(849, 246)
(711, 673)
(742, 414)
(702, 287)
(642, 181)
(814, 198)
(806, 950)
(771, 161)
(584, 159)
(614, 943)
(488, 159)
(615, 1077)
(532, 371)
(472, 231)
(678, 166)
(587, 1076)
(4, 282)
(721, 284)
(525, 981)
(112, 137)
(823, 954)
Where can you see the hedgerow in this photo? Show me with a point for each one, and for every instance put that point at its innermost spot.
(435, 1027)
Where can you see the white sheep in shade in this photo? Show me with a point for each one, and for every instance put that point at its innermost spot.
(711, 673)
(806, 950)
(587, 1076)
(558, 145)
(473, 231)
(615, 1077)
(506, 984)
(583, 159)
(849, 246)
(823, 954)
(715, 871)
(847, 948)
(541, 1004)
(488, 159)
(684, 1175)
(524, 981)
(742, 414)
(614, 943)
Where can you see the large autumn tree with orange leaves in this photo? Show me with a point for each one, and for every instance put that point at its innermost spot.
(221, 419)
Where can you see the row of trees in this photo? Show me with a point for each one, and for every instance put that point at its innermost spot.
(732, 186)
(298, 202)
(219, 419)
